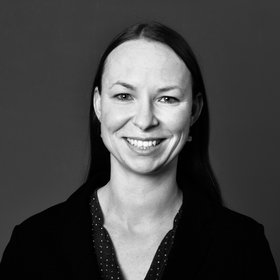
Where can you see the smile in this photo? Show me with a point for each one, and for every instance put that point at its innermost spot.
(143, 144)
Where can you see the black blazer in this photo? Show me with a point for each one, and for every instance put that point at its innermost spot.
(211, 242)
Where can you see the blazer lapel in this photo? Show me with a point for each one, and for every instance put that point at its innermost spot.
(76, 240)
(192, 239)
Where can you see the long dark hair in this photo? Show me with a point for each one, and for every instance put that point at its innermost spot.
(193, 164)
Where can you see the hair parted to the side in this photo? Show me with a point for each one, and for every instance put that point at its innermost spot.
(194, 168)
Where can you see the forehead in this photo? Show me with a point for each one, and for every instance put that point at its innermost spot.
(140, 59)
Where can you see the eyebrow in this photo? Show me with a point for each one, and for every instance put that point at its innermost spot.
(131, 87)
(165, 89)
(126, 85)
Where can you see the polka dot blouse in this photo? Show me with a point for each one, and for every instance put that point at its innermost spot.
(104, 249)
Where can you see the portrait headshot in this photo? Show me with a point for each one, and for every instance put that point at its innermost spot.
(140, 140)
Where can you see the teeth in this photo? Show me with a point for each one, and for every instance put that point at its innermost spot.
(142, 144)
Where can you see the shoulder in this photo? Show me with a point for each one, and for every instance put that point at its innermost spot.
(44, 241)
(226, 228)
(238, 235)
(42, 223)
(241, 240)
(38, 233)
(34, 241)
(53, 218)
(228, 219)
(223, 225)
(234, 242)
(46, 227)
(231, 227)
(207, 215)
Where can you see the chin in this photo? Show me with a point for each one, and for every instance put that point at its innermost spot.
(149, 168)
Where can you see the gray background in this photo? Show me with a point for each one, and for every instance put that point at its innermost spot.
(49, 50)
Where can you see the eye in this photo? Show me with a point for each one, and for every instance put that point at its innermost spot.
(168, 99)
(123, 97)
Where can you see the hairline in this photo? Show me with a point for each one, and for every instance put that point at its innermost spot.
(144, 37)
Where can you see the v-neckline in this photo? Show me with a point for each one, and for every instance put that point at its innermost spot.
(105, 252)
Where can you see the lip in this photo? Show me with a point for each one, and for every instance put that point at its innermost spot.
(144, 149)
(145, 138)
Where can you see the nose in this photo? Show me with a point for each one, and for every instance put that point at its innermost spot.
(144, 117)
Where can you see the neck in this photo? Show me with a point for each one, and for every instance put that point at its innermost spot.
(134, 199)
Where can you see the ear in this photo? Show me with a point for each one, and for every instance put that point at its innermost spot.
(196, 107)
(97, 103)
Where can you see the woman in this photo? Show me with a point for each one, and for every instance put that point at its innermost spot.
(151, 207)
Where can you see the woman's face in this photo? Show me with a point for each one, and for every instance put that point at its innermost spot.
(145, 106)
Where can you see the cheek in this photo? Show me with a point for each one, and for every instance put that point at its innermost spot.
(113, 118)
(179, 121)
